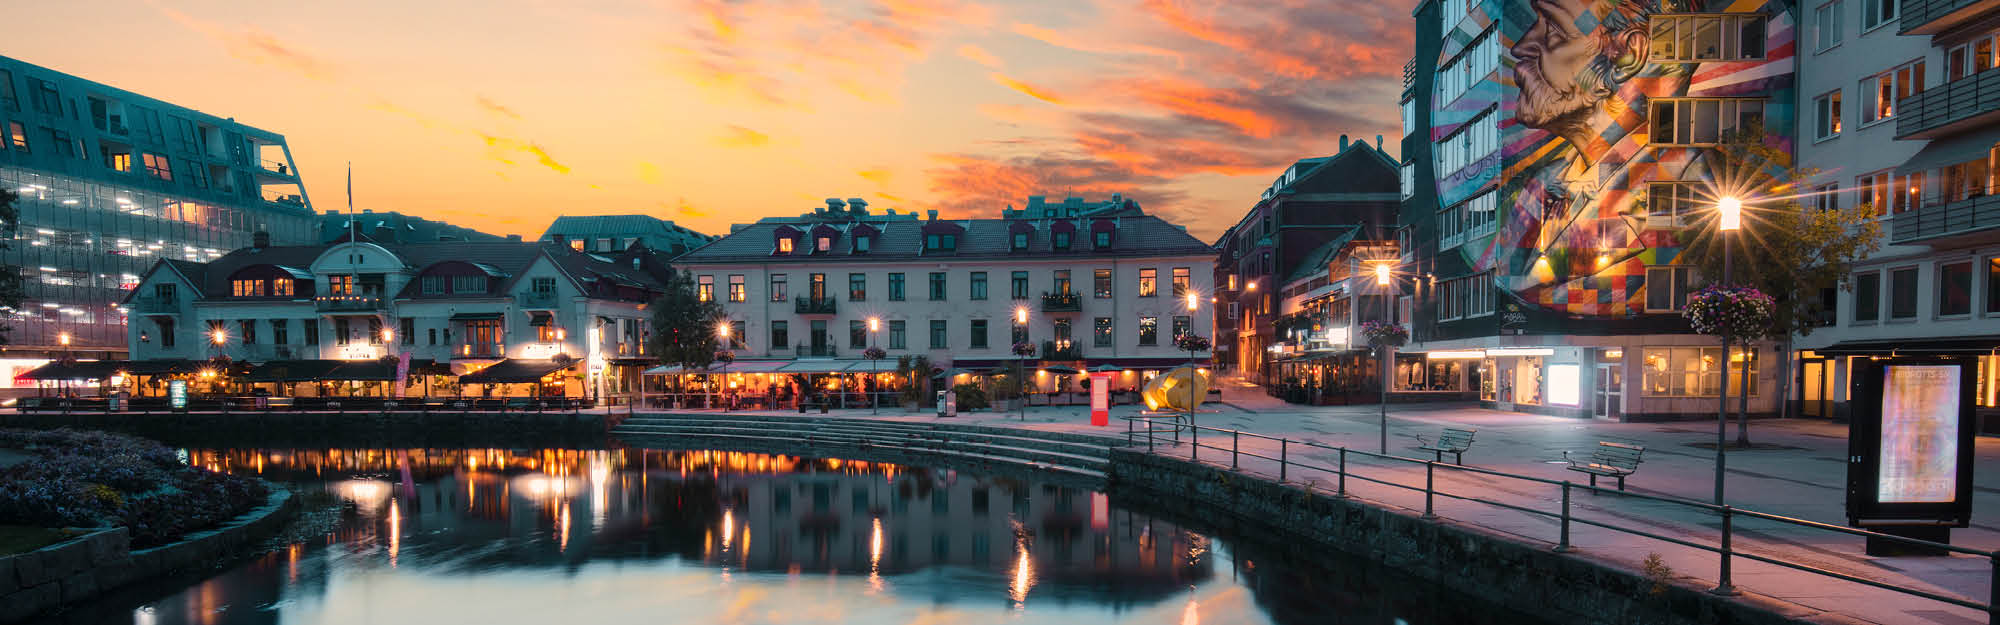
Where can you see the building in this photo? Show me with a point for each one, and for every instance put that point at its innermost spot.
(572, 320)
(615, 233)
(393, 227)
(1571, 157)
(111, 182)
(1318, 353)
(1890, 94)
(1110, 287)
(1314, 201)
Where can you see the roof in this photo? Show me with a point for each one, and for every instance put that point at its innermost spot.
(1137, 234)
(507, 259)
(615, 225)
(1315, 261)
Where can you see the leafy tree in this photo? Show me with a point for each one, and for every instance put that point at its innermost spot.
(684, 325)
(10, 275)
(1786, 246)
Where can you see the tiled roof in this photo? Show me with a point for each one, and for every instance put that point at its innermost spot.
(1315, 261)
(615, 225)
(1136, 234)
(510, 258)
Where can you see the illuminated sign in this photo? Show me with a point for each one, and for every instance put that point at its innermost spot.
(177, 394)
(1919, 446)
(1337, 336)
(1521, 351)
(1468, 354)
(1100, 398)
(540, 351)
(1565, 387)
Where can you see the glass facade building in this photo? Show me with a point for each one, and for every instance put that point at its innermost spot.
(110, 182)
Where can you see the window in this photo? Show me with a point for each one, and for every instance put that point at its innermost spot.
(468, 284)
(1826, 25)
(248, 328)
(1181, 284)
(311, 327)
(1879, 93)
(1147, 280)
(1062, 282)
(116, 159)
(1667, 288)
(1020, 241)
(1408, 180)
(778, 287)
(978, 333)
(157, 167)
(1826, 197)
(1889, 192)
(1993, 286)
(46, 98)
(1694, 371)
(738, 291)
(1826, 115)
(1729, 37)
(1100, 283)
(1473, 141)
(1702, 121)
(407, 329)
(1100, 332)
(862, 244)
(896, 287)
(1020, 333)
(1062, 335)
(246, 288)
(1673, 204)
(1465, 221)
(1867, 297)
(1149, 330)
(823, 244)
(1472, 64)
(1875, 13)
(374, 331)
(1971, 57)
(1460, 298)
(736, 334)
(431, 336)
(978, 282)
(784, 245)
(1182, 325)
(1903, 293)
(937, 286)
(281, 331)
(857, 334)
(940, 334)
(281, 287)
(18, 135)
(543, 286)
(1020, 285)
(857, 287)
(1101, 239)
(940, 242)
(781, 334)
(897, 335)
(816, 286)
(1954, 289)
(704, 288)
(1966, 180)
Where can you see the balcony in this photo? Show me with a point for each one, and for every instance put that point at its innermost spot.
(1930, 17)
(348, 304)
(1062, 302)
(813, 305)
(1945, 220)
(276, 167)
(1950, 107)
(1061, 350)
(156, 305)
(539, 300)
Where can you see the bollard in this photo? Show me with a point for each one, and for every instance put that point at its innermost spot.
(1342, 474)
(1563, 545)
(1429, 468)
(1284, 447)
(1128, 431)
(1993, 596)
(1235, 441)
(1723, 586)
(1194, 443)
(1149, 436)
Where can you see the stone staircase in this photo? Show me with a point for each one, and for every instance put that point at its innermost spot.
(1072, 455)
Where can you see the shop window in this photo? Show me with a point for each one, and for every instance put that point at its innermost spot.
(1694, 371)
(1954, 295)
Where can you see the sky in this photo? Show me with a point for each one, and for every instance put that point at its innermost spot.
(502, 114)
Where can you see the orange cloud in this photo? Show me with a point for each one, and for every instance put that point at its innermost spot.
(878, 175)
(682, 208)
(1085, 42)
(977, 55)
(508, 144)
(255, 46)
(496, 108)
(1025, 88)
(649, 173)
(739, 137)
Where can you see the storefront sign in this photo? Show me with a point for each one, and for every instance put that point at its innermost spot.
(1100, 398)
(177, 394)
(1910, 442)
(359, 351)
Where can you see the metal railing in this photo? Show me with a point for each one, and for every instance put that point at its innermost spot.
(813, 306)
(1938, 219)
(539, 299)
(1924, 113)
(1727, 513)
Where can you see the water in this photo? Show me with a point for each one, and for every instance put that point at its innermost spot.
(561, 536)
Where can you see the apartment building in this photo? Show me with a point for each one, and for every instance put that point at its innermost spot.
(615, 233)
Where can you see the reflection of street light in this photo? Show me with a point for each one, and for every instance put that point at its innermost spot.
(1729, 219)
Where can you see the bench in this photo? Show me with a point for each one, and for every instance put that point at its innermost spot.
(1610, 460)
(1452, 441)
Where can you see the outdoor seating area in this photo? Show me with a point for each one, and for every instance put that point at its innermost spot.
(839, 384)
(373, 385)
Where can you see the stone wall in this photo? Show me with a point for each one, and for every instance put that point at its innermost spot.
(76, 570)
(1502, 569)
(351, 429)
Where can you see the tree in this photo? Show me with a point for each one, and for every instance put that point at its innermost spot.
(683, 324)
(10, 275)
(1787, 246)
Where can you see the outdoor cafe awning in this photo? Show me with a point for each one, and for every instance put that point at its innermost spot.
(749, 366)
(1954, 346)
(363, 371)
(165, 366)
(76, 370)
(291, 370)
(818, 366)
(513, 371)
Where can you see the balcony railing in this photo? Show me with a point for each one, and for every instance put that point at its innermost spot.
(1932, 113)
(348, 303)
(816, 351)
(539, 300)
(814, 305)
(156, 305)
(1930, 17)
(1947, 219)
(1061, 350)
(1061, 302)
(276, 166)
(478, 350)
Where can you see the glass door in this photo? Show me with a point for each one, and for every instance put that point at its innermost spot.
(1608, 399)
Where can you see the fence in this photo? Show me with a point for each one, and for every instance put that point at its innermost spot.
(1153, 432)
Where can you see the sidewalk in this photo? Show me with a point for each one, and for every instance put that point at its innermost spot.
(1806, 478)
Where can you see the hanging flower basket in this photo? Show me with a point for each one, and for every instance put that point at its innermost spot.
(725, 356)
(1191, 343)
(1024, 349)
(1379, 333)
(1733, 312)
(874, 353)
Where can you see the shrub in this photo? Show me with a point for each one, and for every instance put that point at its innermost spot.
(87, 479)
(971, 397)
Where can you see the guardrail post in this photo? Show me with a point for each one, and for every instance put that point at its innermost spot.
(1430, 468)
(1128, 431)
(1723, 586)
(1235, 442)
(1149, 436)
(1284, 452)
(1993, 594)
(1562, 546)
(1342, 475)
(1194, 443)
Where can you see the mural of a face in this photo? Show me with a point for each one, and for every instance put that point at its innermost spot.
(1575, 56)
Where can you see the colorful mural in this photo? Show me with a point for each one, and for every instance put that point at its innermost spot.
(1571, 103)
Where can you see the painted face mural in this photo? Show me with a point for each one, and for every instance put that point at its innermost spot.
(1605, 114)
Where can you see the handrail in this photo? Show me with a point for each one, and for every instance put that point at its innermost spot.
(1176, 425)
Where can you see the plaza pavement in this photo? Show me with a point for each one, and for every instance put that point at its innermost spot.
(1804, 477)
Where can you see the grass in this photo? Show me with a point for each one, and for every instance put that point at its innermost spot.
(22, 539)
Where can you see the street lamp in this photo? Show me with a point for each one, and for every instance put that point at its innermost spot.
(1384, 281)
(722, 331)
(874, 365)
(1194, 370)
(1729, 219)
(1021, 360)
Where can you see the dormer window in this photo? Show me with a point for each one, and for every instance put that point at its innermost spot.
(1060, 240)
(823, 244)
(861, 244)
(940, 242)
(1020, 241)
(784, 246)
(1102, 240)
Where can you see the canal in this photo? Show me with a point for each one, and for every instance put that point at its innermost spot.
(494, 536)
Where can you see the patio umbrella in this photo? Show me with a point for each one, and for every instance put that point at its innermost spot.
(1061, 370)
(1106, 369)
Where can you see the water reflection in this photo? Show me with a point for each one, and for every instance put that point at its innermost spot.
(496, 536)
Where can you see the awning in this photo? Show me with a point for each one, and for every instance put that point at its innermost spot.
(475, 316)
(77, 370)
(1958, 346)
(513, 371)
(541, 318)
(816, 366)
(632, 361)
(1953, 150)
(1144, 363)
(291, 370)
(363, 371)
(161, 367)
(750, 366)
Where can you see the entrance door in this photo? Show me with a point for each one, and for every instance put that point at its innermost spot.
(1812, 388)
(1608, 398)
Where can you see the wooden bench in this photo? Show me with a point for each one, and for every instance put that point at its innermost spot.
(1452, 441)
(1610, 460)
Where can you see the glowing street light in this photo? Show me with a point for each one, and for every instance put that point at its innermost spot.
(722, 331)
(1731, 211)
(874, 366)
(218, 336)
(63, 338)
(1729, 219)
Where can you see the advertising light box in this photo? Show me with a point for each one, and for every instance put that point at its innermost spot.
(1910, 443)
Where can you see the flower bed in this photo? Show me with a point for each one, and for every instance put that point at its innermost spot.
(96, 479)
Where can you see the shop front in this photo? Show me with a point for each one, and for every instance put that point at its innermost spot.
(1329, 378)
(1437, 376)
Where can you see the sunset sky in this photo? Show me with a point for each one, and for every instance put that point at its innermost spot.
(502, 114)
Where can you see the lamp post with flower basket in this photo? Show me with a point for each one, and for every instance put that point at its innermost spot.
(1024, 350)
(1384, 335)
(874, 355)
(1736, 314)
(1192, 343)
(725, 357)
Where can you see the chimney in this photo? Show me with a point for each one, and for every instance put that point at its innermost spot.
(834, 204)
(1378, 143)
(1343, 143)
(514, 238)
(260, 239)
(932, 213)
(858, 205)
(367, 210)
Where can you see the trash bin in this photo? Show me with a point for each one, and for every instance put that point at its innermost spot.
(947, 403)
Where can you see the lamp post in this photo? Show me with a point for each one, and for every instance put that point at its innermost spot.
(1021, 360)
(874, 364)
(219, 338)
(1729, 219)
(1383, 280)
(1195, 371)
(722, 331)
(62, 338)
